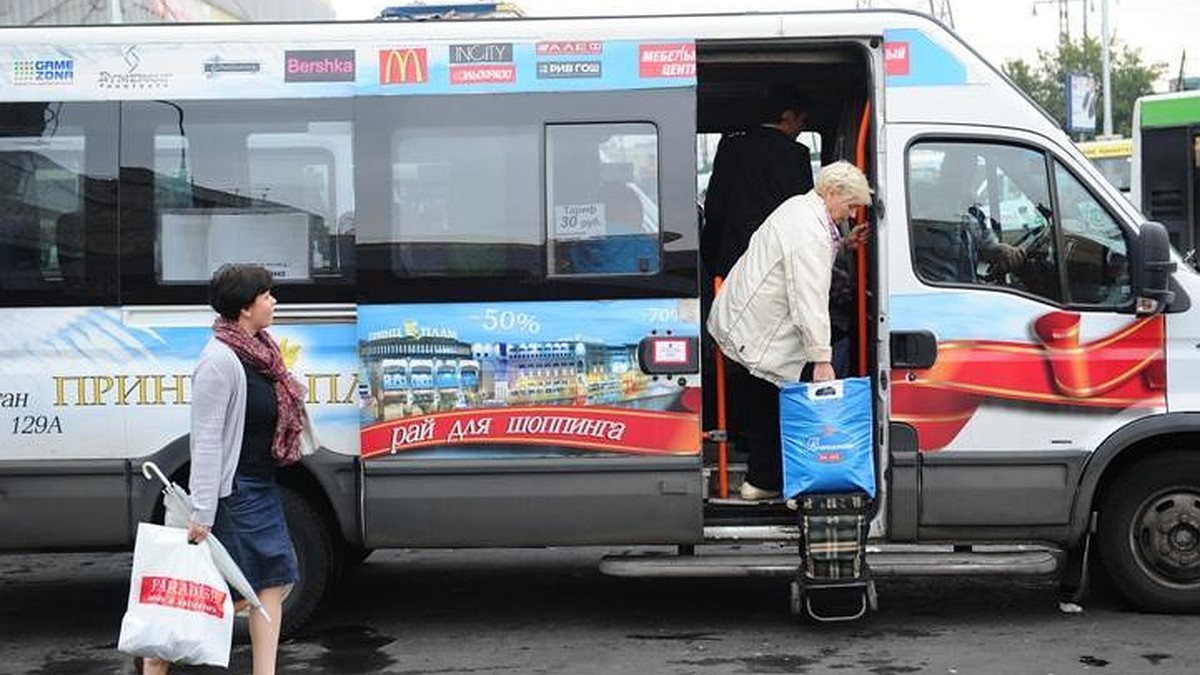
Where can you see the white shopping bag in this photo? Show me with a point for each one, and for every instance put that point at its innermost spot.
(178, 505)
(179, 605)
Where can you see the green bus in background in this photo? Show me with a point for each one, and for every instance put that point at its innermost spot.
(1166, 163)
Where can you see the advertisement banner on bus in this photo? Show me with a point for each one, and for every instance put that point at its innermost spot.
(100, 383)
(256, 71)
(997, 379)
(469, 378)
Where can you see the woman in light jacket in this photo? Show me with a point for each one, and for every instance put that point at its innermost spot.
(247, 417)
(771, 316)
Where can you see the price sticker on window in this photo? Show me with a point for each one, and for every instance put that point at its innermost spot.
(579, 221)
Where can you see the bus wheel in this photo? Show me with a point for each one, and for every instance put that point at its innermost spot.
(315, 552)
(1150, 533)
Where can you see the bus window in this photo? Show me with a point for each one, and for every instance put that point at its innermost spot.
(1095, 252)
(456, 194)
(453, 188)
(57, 202)
(265, 182)
(465, 197)
(970, 205)
(602, 199)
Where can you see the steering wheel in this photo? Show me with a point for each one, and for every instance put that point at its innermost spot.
(1033, 243)
(1031, 239)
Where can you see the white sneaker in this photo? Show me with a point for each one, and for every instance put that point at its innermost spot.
(756, 494)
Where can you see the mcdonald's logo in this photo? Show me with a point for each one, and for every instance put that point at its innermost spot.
(403, 66)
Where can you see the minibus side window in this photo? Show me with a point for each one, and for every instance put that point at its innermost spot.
(211, 182)
(464, 200)
(58, 165)
(1094, 249)
(980, 214)
(602, 199)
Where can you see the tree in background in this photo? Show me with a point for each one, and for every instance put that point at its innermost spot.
(1045, 81)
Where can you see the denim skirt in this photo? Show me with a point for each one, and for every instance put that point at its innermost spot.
(251, 525)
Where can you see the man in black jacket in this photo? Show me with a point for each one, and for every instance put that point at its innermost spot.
(754, 171)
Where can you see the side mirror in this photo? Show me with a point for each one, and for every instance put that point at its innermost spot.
(1152, 269)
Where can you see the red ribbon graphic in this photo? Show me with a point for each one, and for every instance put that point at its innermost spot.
(1118, 371)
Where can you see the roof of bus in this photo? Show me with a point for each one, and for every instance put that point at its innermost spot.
(699, 25)
(915, 54)
(1169, 110)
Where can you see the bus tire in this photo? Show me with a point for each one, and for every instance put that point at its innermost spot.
(1149, 531)
(315, 552)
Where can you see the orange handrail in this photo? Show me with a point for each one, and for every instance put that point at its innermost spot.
(864, 127)
(723, 442)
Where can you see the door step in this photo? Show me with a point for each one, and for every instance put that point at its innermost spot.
(884, 561)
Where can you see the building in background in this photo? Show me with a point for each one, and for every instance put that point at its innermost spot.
(74, 12)
(1185, 83)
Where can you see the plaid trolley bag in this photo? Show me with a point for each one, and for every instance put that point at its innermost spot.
(833, 582)
(829, 470)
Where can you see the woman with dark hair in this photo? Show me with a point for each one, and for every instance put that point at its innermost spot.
(247, 417)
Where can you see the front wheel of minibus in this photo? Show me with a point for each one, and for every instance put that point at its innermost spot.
(1149, 531)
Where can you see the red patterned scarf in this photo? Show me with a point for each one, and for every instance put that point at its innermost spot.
(261, 353)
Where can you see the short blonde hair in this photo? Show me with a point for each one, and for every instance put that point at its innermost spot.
(845, 179)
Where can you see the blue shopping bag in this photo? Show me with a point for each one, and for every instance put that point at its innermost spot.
(828, 437)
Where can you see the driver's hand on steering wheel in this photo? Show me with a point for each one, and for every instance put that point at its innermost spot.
(1009, 258)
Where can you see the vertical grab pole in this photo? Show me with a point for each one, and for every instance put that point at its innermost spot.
(864, 127)
(723, 439)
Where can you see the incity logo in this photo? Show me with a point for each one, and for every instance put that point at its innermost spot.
(482, 63)
(491, 52)
(403, 65)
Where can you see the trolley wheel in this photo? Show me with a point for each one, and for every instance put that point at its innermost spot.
(1149, 533)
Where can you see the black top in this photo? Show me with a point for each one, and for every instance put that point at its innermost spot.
(754, 172)
(262, 410)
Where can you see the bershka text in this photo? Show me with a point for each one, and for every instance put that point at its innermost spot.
(319, 65)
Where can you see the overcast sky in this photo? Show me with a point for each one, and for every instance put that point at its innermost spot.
(999, 29)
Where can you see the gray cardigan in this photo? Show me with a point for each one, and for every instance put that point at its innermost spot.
(218, 421)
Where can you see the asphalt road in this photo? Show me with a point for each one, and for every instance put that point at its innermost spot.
(550, 611)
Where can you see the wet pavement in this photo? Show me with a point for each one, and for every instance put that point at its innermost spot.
(550, 611)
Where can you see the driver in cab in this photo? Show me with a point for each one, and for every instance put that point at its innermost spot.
(951, 233)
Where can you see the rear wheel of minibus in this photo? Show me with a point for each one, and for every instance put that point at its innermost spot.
(312, 538)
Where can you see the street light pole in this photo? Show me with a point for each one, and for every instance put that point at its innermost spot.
(114, 12)
(1105, 68)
